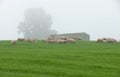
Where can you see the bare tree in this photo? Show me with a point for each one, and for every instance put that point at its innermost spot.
(37, 24)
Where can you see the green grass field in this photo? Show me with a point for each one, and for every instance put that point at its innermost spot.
(82, 59)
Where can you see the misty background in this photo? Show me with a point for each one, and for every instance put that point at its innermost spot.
(99, 18)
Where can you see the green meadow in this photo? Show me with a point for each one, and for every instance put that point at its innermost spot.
(81, 59)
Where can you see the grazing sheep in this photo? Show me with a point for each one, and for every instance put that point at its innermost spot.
(111, 40)
(51, 41)
(104, 39)
(107, 40)
(31, 40)
(60, 41)
(100, 40)
(70, 40)
(20, 39)
(13, 42)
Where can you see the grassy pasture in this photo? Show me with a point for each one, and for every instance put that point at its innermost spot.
(82, 59)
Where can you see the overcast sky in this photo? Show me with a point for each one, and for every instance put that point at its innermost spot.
(99, 18)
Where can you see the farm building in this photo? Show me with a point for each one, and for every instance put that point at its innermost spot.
(81, 36)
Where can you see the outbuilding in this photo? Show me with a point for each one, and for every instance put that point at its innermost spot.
(78, 36)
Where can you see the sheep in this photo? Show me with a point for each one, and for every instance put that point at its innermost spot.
(111, 40)
(61, 41)
(50, 41)
(107, 40)
(70, 40)
(13, 42)
(99, 40)
(31, 40)
(20, 39)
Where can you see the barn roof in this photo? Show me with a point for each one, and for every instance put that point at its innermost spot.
(81, 33)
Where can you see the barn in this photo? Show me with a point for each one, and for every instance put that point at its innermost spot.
(82, 36)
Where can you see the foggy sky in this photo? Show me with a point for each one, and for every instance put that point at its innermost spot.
(99, 18)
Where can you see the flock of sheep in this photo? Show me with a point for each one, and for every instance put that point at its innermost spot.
(63, 40)
(31, 40)
(107, 40)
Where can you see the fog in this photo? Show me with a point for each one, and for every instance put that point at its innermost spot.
(99, 18)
